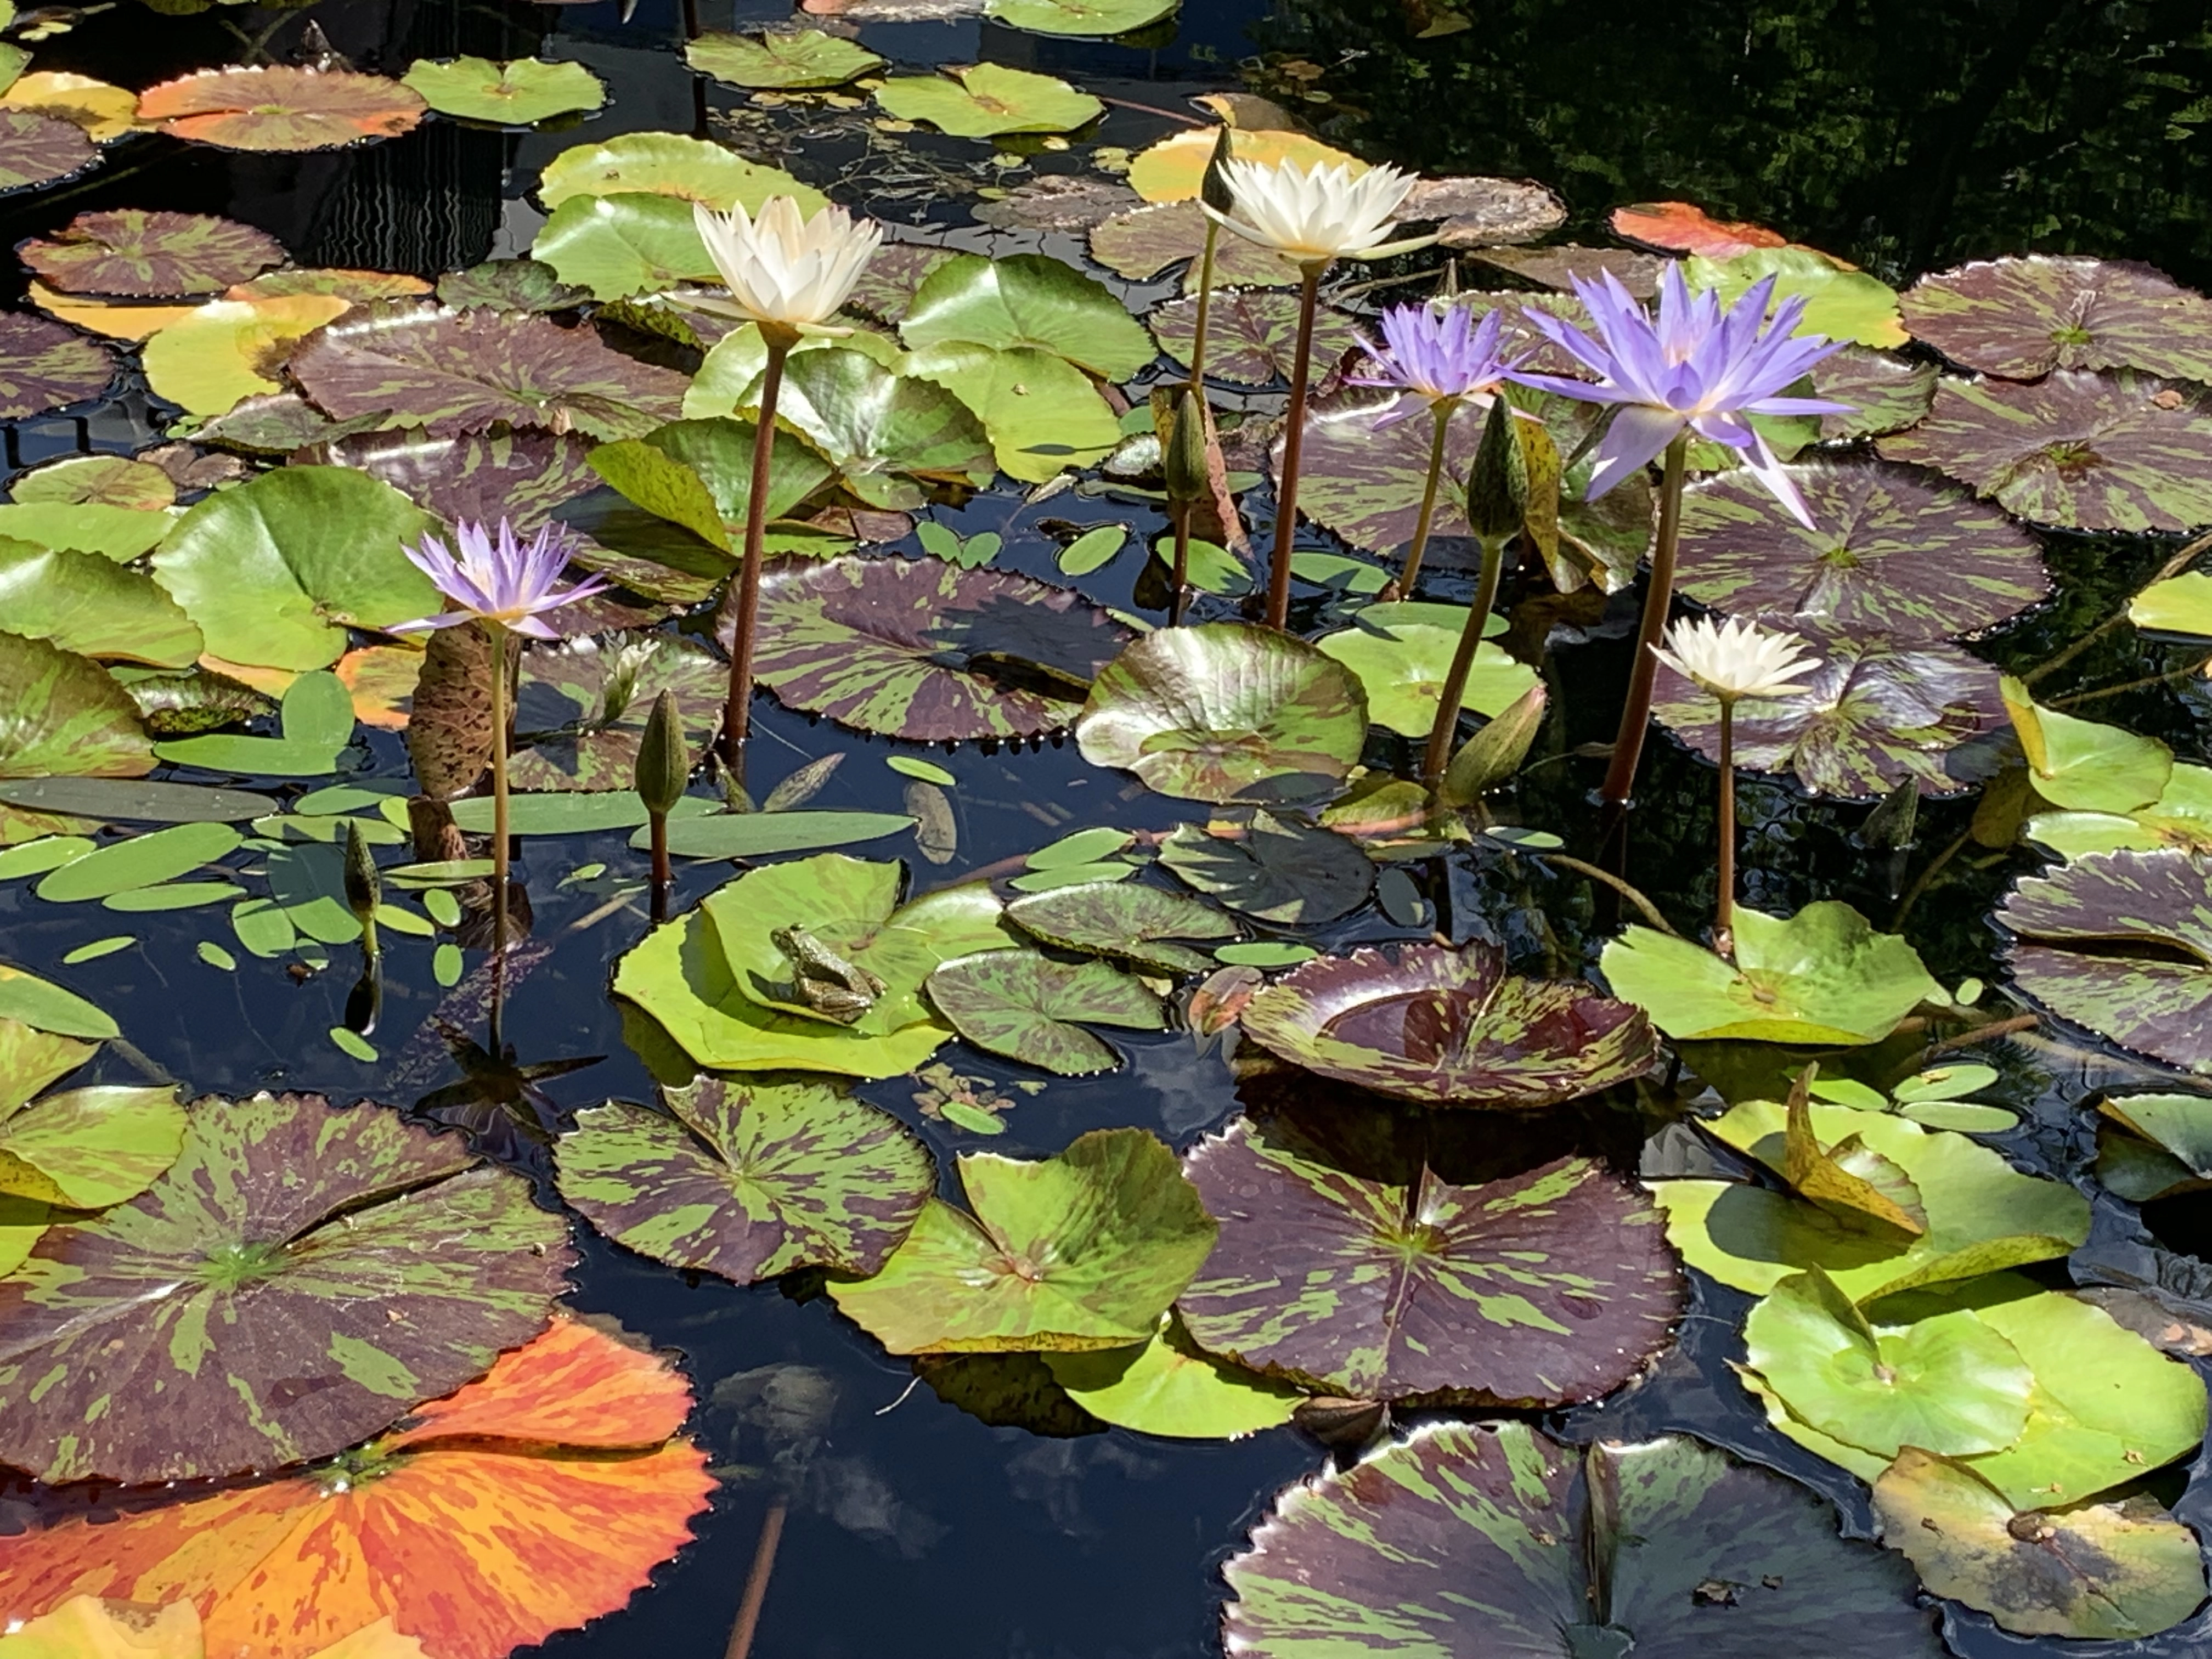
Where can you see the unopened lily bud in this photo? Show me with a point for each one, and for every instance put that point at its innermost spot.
(364, 889)
(1498, 483)
(1183, 462)
(664, 760)
(1213, 189)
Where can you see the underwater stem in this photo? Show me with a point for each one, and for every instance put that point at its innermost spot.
(737, 711)
(1437, 756)
(1636, 712)
(1443, 409)
(1294, 432)
(749, 1608)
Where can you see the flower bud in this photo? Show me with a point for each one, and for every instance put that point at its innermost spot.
(1214, 189)
(1498, 483)
(1183, 462)
(664, 760)
(364, 889)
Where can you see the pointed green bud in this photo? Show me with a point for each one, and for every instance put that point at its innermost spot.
(1213, 189)
(1182, 461)
(364, 889)
(1498, 483)
(1495, 753)
(664, 760)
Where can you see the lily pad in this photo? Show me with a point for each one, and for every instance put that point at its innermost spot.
(881, 429)
(923, 649)
(1875, 711)
(2022, 317)
(748, 1180)
(1226, 711)
(1083, 17)
(88, 1148)
(1822, 976)
(63, 715)
(87, 603)
(1024, 1004)
(1469, 1540)
(1129, 920)
(699, 474)
(1277, 869)
(1142, 243)
(1887, 393)
(105, 111)
(1043, 413)
(43, 1005)
(279, 108)
(987, 100)
(581, 708)
(1251, 338)
(2086, 765)
(140, 861)
(1173, 169)
(1449, 1027)
(1027, 299)
(2080, 450)
(669, 164)
(96, 481)
(1082, 1251)
(1840, 302)
(45, 365)
(484, 476)
(276, 570)
(2180, 604)
(218, 355)
(1402, 655)
(509, 285)
(36, 149)
(149, 255)
(2150, 1145)
(2116, 1571)
(632, 243)
(783, 59)
(1892, 555)
(455, 372)
(258, 1334)
(1172, 1386)
(1348, 1263)
(516, 94)
(2122, 944)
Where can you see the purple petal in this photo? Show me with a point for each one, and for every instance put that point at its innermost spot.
(1637, 436)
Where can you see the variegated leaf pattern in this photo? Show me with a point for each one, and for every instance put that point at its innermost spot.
(149, 255)
(299, 1278)
(749, 1179)
(1251, 337)
(485, 476)
(48, 365)
(2022, 317)
(1885, 393)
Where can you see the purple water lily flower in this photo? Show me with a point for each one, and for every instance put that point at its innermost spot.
(1437, 353)
(1697, 365)
(506, 581)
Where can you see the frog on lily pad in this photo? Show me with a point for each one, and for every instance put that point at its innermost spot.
(823, 980)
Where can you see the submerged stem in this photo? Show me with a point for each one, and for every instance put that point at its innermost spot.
(737, 710)
(1437, 756)
(1205, 309)
(1724, 912)
(1443, 409)
(1294, 432)
(1636, 712)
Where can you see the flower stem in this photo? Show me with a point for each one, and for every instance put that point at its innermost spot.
(1636, 712)
(1724, 911)
(1286, 495)
(1182, 579)
(1437, 756)
(495, 637)
(1205, 310)
(737, 711)
(1443, 409)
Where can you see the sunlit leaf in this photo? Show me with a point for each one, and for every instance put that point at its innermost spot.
(278, 107)
(515, 93)
(63, 715)
(45, 366)
(986, 100)
(784, 59)
(2022, 317)
(1027, 299)
(1026, 1007)
(145, 254)
(669, 164)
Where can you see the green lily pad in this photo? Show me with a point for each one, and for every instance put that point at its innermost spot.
(1981, 1214)
(783, 59)
(276, 570)
(1024, 1004)
(31, 1059)
(748, 1179)
(988, 100)
(508, 285)
(631, 243)
(1173, 1388)
(515, 94)
(2116, 1570)
(1125, 920)
(116, 533)
(1226, 711)
(2122, 944)
(485, 476)
(1449, 1027)
(1027, 299)
(1822, 976)
(45, 1007)
(2022, 317)
(758, 835)
(2082, 764)
(267, 1322)
(143, 860)
(89, 1148)
(1277, 869)
(1471, 1541)
(1085, 18)
(2151, 1145)
(87, 603)
(729, 380)
(63, 715)
(97, 481)
(1402, 664)
(1082, 1251)
(1043, 414)
(317, 720)
(699, 474)
(1840, 303)
(881, 429)
(669, 164)
(2180, 604)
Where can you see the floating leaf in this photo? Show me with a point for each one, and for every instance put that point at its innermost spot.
(1402, 655)
(2150, 1145)
(617, 246)
(1840, 303)
(1887, 393)
(1081, 1251)
(2116, 1570)
(785, 59)
(533, 1500)
(221, 354)
(1224, 711)
(1276, 869)
(141, 861)
(485, 476)
(30, 1060)
(87, 603)
(1451, 1027)
(1027, 299)
(88, 1148)
(1849, 1180)
(669, 164)
(1469, 1534)
(280, 108)
(987, 100)
(40, 149)
(873, 424)
(1251, 338)
(1084, 17)
(1043, 413)
(922, 649)
(1023, 1005)
(2084, 764)
(1172, 1386)
(45, 365)
(1172, 169)
(1682, 227)
(2022, 317)
(105, 112)
(1347, 1263)
(63, 715)
(2080, 450)
(759, 835)
(2180, 604)
(582, 709)
(515, 94)
(98, 481)
(1129, 920)
(1892, 555)
(1145, 242)
(699, 474)
(44, 1006)
(509, 285)
(748, 1180)
(264, 1335)
(142, 254)
(1875, 711)
(2122, 944)
(317, 718)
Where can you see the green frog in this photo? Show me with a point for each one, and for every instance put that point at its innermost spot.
(823, 980)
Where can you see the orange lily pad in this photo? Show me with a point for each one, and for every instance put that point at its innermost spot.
(1171, 170)
(380, 677)
(280, 108)
(1680, 227)
(88, 1627)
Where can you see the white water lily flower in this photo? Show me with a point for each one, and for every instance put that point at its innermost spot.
(1735, 659)
(1317, 213)
(784, 268)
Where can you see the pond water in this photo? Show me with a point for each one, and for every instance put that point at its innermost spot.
(909, 1524)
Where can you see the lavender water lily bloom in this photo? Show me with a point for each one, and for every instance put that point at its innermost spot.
(1437, 353)
(501, 580)
(1696, 365)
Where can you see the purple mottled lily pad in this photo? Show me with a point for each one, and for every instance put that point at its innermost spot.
(1475, 1541)
(458, 372)
(569, 735)
(484, 476)
(146, 255)
(1363, 1255)
(1875, 711)
(1890, 554)
(892, 278)
(2122, 943)
(749, 1179)
(1558, 267)
(1142, 244)
(1250, 338)
(2080, 450)
(509, 285)
(2022, 317)
(47, 365)
(920, 648)
(1885, 393)
(36, 149)
(298, 1279)
(1451, 1027)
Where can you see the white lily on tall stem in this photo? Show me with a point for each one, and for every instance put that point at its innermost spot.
(788, 275)
(1315, 216)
